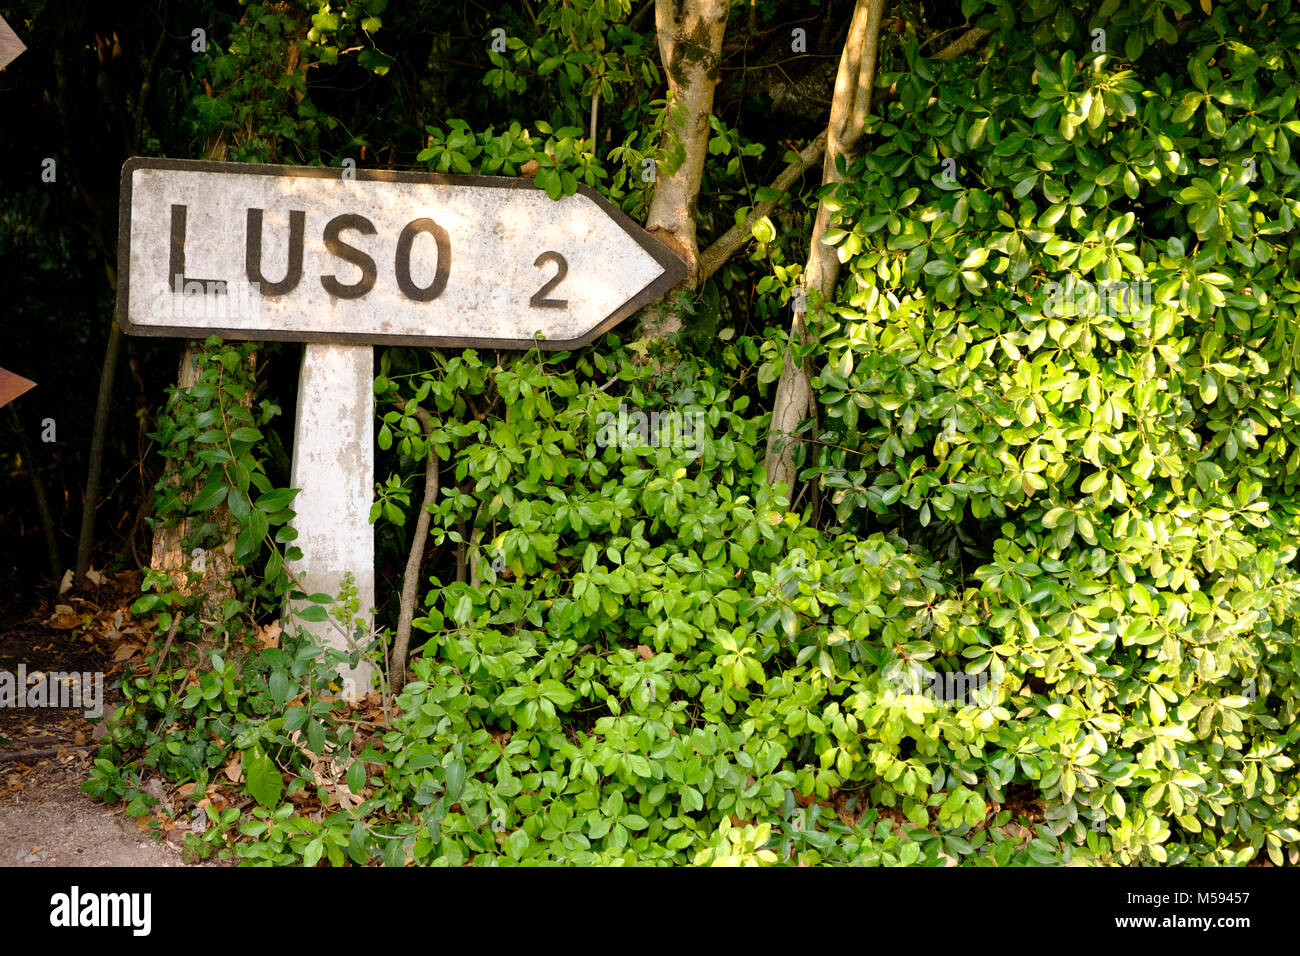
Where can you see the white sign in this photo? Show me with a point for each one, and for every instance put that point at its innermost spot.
(343, 263)
(306, 253)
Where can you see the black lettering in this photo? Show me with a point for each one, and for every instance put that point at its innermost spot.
(176, 256)
(403, 263)
(351, 254)
(253, 253)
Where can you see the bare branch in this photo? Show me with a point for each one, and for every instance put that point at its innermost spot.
(411, 577)
(725, 246)
(963, 44)
(731, 240)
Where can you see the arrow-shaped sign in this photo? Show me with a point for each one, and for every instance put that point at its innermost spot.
(11, 386)
(348, 259)
(324, 255)
(10, 45)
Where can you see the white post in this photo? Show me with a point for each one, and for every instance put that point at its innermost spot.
(333, 464)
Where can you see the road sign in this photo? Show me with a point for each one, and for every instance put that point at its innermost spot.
(323, 255)
(11, 386)
(10, 45)
(346, 260)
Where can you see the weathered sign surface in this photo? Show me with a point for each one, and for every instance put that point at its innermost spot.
(303, 253)
(344, 263)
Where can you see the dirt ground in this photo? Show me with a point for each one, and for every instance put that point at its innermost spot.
(46, 753)
(50, 822)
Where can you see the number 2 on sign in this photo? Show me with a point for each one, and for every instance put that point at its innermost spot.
(539, 300)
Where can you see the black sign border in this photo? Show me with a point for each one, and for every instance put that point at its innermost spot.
(673, 275)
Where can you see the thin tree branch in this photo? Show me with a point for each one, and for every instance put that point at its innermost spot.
(852, 102)
(146, 86)
(725, 245)
(42, 501)
(411, 577)
(415, 558)
(95, 466)
(50, 752)
(963, 44)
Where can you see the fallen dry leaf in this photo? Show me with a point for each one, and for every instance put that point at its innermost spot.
(329, 773)
(645, 652)
(217, 803)
(234, 769)
(126, 650)
(64, 618)
(269, 636)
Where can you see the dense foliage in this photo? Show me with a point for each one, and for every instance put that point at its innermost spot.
(1053, 464)
(1115, 473)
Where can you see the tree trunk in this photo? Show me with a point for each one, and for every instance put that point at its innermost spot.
(853, 93)
(690, 47)
(168, 554)
(849, 109)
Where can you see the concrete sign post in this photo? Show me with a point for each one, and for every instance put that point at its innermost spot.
(345, 260)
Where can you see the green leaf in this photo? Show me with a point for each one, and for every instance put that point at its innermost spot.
(146, 603)
(262, 778)
(1093, 483)
(280, 688)
(276, 500)
(356, 777)
(372, 59)
(250, 539)
(210, 495)
(455, 780)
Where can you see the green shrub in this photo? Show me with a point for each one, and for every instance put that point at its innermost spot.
(1114, 479)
